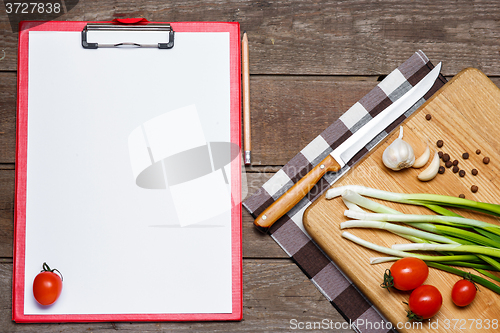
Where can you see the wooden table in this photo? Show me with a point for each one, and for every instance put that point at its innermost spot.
(309, 62)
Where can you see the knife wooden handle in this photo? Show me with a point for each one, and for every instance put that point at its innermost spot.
(298, 191)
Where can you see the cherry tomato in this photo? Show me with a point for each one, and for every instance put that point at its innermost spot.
(406, 274)
(463, 292)
(425, 301)
(47, 286)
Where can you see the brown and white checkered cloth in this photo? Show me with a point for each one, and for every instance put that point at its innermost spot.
(289, 232)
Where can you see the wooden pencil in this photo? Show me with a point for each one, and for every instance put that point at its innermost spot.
(247, 146)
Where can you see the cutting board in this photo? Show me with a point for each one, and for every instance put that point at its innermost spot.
(465, 115)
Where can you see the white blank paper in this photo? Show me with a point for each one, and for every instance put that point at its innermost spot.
(120, 247)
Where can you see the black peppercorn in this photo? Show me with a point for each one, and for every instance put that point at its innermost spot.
(486, 160)
(455, 169)
(455, 162)
(441, 169)
(462, 196)
(474, 172)
(461, 173)
(474, 188)
(465, 156)
(446, 157)
(428, 116)
(439, 143)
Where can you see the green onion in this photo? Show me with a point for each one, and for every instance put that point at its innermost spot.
(396, 228)
(421, 199)
(409, 218)
(488, 274)
(489, 251)
(394, 252)
(444, 233)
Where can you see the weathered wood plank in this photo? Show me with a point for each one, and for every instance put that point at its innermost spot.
(8, 94)
(275, 292)
(325, 37)
(6, 212)
(289, 112)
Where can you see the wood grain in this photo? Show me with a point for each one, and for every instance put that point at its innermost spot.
(325, 37)
(461, 116)
(8, 94)
(267, 307)
(310, 61)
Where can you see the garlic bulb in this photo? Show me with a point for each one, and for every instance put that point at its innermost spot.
(399, 155)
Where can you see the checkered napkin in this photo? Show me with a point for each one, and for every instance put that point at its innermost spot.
(289, 231)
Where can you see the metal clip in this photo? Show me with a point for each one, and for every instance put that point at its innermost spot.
(114, 27)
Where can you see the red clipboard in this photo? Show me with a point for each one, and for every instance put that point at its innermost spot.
(20, 243)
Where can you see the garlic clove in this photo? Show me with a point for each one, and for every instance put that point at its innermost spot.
(399, 154)
(423, 159)
(431, 171)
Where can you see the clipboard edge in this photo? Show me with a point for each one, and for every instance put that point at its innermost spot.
(18, 278)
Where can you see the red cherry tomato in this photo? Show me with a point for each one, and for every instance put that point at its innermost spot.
(406, 274)
(463, 292)
(47, 286)
(425, 301)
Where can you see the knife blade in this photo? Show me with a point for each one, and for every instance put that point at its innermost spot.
(346, 151)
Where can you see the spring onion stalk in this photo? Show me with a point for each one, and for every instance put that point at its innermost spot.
(361, 201)
(409, 218)
(488, 234)
(488, 274)
(490, 261)
(489, 251)
(421, 199)
(352, 206)
(411, 238)
(393, 252)
(482, 281)
(442, 211)
(396, 228)
(457, 235)
(380, 260)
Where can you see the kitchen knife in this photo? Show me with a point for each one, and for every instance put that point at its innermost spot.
(346, 151)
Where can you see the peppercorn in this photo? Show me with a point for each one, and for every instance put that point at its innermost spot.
(486, 160)
(465, 156)
(440, 154)
(428, 116)
(441, 169)
(446, 157)
(461, 173)
(455, 162)
(439, 143)
(474, 188)
(478, 151)
(474, 172)
(461, 195)
(455, 169)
